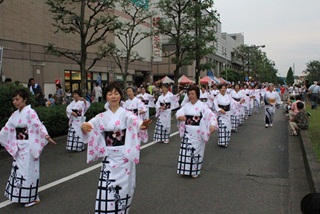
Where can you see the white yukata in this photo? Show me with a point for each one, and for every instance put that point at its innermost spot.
(237, 118)
(224, 120)
(246, 104)
(148, 101)
(115, 138)
(74, 141)
(206, 98)
(256, 101)
(271, 99)
(163, 124)
(136, 105)
(194, 133)
(23, 137)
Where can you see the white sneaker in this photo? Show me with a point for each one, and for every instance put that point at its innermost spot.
(267, 125)
(195, 176)
(166, 141)
(271, 125)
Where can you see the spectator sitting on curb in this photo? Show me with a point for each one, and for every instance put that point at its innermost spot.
(299, 121)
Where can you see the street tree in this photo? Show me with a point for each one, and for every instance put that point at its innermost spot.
(188, 25)
(130, 33)
(289, 78)
(313, 70)
(92, 21)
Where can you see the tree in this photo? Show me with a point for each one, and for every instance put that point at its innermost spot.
(313, 71)
(188, 24)
(130, 33)
(289, 78)
(91, 20)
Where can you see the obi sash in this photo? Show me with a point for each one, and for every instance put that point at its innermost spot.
(78, 112)
(135, 111)
(203, 99)
(115, 138)
(236, 99)
(192, 120)
(167, 105)
(146, 102)
(225, 108)
(22, 133)
(248, 95)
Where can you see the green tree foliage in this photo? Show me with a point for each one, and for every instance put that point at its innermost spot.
(189, 25)
(231, 75)
(6, 107)
(130, 33)
(255, 64)
(313, 70)
(92, 22)
(289, 78)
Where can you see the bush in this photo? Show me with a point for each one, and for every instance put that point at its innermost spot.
(56, 121)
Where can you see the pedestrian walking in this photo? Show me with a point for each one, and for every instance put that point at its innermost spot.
(113, 135)
(272, 100)
(59, 95)
(24, 137)
(75, 112)
(196, 123)
(97, 93)
(314, 90)
(37, 92)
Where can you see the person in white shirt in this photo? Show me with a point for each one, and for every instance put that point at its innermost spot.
(97, 93)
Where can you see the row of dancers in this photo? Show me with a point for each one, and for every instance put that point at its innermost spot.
(115, 135)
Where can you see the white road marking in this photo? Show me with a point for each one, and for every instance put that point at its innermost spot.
(77, 174)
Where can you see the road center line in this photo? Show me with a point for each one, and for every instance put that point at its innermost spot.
(77, 174)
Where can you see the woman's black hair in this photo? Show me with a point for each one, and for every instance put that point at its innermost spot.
(196, 89)
(79, 92)
(221, 85)
(22, 93)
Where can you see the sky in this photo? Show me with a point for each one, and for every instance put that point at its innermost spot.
(290, 29)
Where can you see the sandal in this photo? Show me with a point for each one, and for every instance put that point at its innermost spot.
(32, 203)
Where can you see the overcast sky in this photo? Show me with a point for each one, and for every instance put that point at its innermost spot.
(290, 29)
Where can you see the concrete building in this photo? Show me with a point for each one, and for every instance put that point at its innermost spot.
(25, 32)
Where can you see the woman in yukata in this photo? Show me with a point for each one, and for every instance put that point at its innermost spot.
(223, 103)
(164, 106)
(24, 137)
(114, 136)
(237, 118)
(138, 107)
(196, 123)
(75, 112)
(272, 101)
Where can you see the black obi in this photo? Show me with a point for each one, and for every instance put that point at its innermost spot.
(22, 133)
(78, 112)
(146, 102)
(225, 108)
(192, 120)
(115, 138)
(135, 111)
(167, 105)
(236, 99)
(203, 99)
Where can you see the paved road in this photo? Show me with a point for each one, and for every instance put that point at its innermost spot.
(261, 172)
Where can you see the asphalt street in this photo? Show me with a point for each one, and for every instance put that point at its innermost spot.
(260, 172)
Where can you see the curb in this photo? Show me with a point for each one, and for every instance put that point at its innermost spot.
(312, 164)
